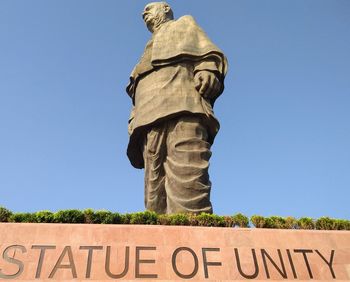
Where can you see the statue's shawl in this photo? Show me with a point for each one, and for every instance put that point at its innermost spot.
(177, 41)
(174, 42)
(184, 39)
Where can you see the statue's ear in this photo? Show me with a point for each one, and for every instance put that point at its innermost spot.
(166, 9)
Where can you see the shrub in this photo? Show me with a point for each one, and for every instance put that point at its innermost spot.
(306, 223)
(258, 221)
(228, 221)
(173, 219)
(149, 217)
(206, 219)
(240, 220)
(347, 225)
(99, 217)
(276, 222)
(163, 219)
(178, 219)
(325, 223)
(193, 219)
(341, 224)
(146, 217)
(125, 218)
(117, 218)
(22, 217)
(279, 222)
(44, 217)
(269, 222)
(69, 216)
(89, 216)
(104, 217)
(4, 214)
(290, 223)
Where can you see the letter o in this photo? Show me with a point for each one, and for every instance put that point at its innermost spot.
(195, 259)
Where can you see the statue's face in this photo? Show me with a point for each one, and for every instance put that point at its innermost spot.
(154, 14)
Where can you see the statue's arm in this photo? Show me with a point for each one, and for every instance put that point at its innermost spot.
(206, 79)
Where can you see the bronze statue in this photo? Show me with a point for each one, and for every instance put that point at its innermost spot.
(172, 125)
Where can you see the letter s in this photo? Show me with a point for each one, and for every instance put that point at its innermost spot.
(9, 259)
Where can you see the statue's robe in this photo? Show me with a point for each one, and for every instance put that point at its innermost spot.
(162, 85)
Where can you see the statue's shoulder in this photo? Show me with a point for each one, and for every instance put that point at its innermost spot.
(186, 19)
(184, 23)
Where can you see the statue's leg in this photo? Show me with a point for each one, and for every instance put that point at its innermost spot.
(187, 181)
(154, 155)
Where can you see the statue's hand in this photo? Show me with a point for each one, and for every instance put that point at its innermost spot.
(207, 84)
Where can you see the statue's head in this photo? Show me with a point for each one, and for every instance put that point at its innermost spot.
(155, 14)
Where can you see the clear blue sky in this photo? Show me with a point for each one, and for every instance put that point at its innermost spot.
(284, 144)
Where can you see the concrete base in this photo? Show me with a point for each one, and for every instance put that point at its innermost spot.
(63, 252)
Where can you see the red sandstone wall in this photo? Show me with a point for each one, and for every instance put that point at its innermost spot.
(67, 252)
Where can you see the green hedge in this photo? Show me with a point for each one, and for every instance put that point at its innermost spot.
(90, 216)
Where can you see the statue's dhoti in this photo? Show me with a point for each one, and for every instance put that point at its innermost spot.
(176, 155)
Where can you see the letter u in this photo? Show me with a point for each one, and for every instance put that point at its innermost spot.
(108, 260)
(247, 276)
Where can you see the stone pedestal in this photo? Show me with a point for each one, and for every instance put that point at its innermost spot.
(63, 252)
